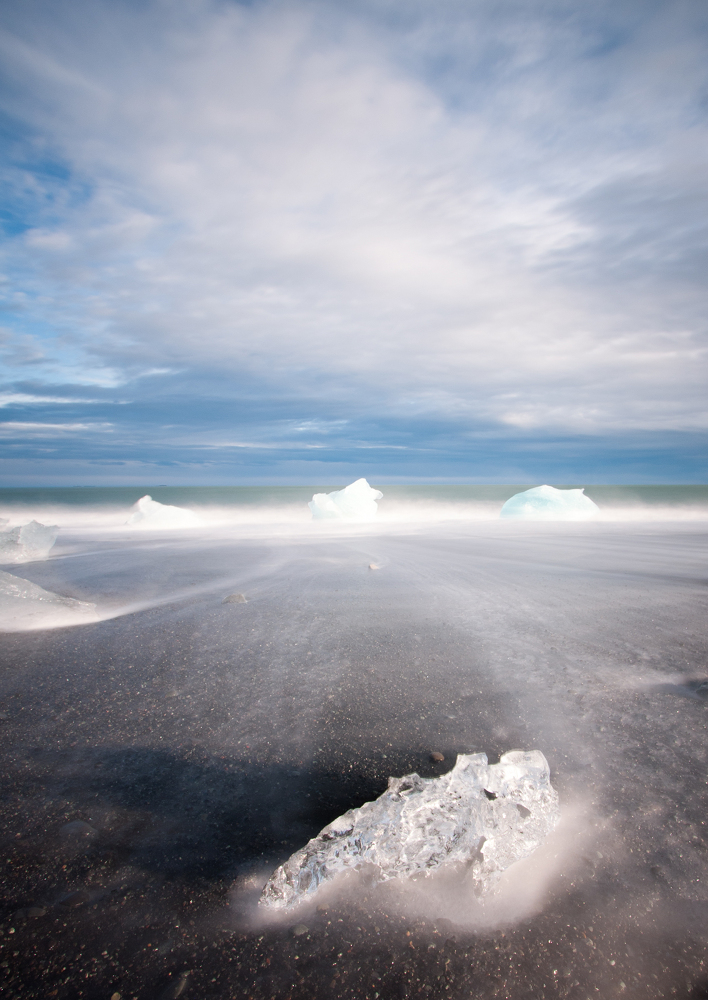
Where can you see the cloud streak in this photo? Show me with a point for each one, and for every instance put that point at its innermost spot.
(491, 221)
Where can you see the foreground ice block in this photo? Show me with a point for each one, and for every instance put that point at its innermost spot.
(546, 503)
(27, 542)
(25, 606)
(148, 513)
(482, 817)
(356, 502)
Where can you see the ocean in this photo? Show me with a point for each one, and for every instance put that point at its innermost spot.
(165, 753)
(289, 503)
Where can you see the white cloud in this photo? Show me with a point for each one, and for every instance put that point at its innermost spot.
(27, 399)
(19, 428)
(290, 190)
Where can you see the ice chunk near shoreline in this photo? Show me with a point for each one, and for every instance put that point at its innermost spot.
(148, 513)
(479, 816)
(25, 606)
(27, 542)
(546, 503)
(356, 502)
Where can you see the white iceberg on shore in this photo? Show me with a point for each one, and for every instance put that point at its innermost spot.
(356, 502)
(479, 816)
(546, 503)
(148, 513)
(27, 542)
(25, 606)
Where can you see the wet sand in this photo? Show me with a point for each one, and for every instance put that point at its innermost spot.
(158, 765)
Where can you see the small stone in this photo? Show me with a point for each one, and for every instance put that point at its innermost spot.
(78, 898)
(234, 599)
(115, 996)
(437, 756)
(298, 929)
(36, 911)
(374, 566)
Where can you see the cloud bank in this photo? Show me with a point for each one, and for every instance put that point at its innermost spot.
(262, 241)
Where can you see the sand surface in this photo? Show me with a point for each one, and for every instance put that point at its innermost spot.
(158, 764)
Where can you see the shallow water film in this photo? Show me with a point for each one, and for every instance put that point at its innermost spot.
(161, 762)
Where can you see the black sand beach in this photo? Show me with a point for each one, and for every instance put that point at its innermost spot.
(160, 764)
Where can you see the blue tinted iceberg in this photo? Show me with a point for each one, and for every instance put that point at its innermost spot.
(546, 503)
(356, 502)
(148, 513)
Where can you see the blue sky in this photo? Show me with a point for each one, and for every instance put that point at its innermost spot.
(270, 242)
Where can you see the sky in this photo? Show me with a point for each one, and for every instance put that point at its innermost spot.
(284, 241)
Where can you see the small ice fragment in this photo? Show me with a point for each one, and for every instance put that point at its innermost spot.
(234, 599)
(546, 503)
(25, 605)
(356, 502)
(422, 824)
(148, 513)
(27, 542)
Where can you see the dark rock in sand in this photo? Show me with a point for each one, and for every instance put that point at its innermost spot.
(234, 599)
(437, 756)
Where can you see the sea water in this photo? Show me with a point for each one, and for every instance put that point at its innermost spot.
(269, 504)
(161, 762)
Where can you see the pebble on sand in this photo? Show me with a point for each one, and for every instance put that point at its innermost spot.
(234, 599)
(297, 929)
(437, 756)
(74, 899)
(374, 566)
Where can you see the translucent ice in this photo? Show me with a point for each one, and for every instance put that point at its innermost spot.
(27, 542)
(25, 605)
(356, 502)
(546, 503)
(148, 513)
(483, 817)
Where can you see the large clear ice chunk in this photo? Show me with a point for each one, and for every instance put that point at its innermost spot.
(479, 816)
(546, 503)
(149, 513)
(27, 542)
(356, 502)
(25, 606)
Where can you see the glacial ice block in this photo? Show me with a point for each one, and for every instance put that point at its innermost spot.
(546, 503)
(479, 816)
(27, 542)
(25, 606)
(356, 502)
(148, 513)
